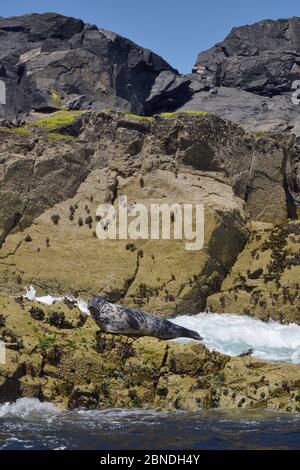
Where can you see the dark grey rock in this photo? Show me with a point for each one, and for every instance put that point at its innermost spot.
(255, 113)
(168, 93)
(48, 61)
(248, 77)
(262, 58)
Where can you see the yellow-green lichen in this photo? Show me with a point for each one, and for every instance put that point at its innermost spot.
(58, 119)
(56, 136)
(55, 98)
(191, 113)
(20, 131)
(136, 116)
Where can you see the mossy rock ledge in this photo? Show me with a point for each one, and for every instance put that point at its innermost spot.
(56, 353)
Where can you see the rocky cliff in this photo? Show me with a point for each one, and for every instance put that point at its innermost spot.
(63, 152)
(263, 58)
(49, 62)
(248, 77)
(54, 176)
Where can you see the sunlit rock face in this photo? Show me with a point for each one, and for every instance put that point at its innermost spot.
(52, 182)
(49, 60)
(248, 78)
(263, 58)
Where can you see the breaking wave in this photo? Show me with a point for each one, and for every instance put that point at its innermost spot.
(30, 294)
(235, 334)
(28, 408)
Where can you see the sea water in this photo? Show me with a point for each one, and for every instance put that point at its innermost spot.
(30, 424)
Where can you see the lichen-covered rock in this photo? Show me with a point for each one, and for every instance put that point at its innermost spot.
(36, 173)
(82, 367)
(156, 275)
(265, 280)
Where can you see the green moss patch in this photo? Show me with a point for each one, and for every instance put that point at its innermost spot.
(58, 119)
(21, 131)
(65, 138)
(191, 113)
(136, 116)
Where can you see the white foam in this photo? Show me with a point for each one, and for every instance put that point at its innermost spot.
(82, 305)
(235, 334)
(30, 294)
(28, 408)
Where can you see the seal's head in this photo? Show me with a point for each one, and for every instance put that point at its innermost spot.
(95, 305)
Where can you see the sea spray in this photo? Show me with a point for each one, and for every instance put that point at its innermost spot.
(30, 294)
(235, 334)
(28, 408)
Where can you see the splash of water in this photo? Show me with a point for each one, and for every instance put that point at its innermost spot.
(235, 334)
(28, 408)
(30, 294)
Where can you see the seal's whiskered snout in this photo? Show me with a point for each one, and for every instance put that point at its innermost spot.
(95, 304)
(194, 335)
(182, 332)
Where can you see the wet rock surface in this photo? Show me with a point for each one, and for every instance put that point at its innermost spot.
(264, 281)
(82, 367)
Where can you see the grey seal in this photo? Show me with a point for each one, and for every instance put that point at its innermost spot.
(118, 319)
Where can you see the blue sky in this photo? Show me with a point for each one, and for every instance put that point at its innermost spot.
(175, 29)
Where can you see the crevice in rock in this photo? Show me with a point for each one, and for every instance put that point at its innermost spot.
(162, 365)
(115, 191)
(291, 209)
(10, 389)
(116, 296)
(13, 252)
(10, 224)
(130, 281)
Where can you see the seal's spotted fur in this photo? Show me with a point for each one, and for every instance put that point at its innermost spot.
(128, 321)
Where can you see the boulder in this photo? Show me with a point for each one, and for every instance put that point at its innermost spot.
(49, 61)
(248, 78)
(263, 58)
